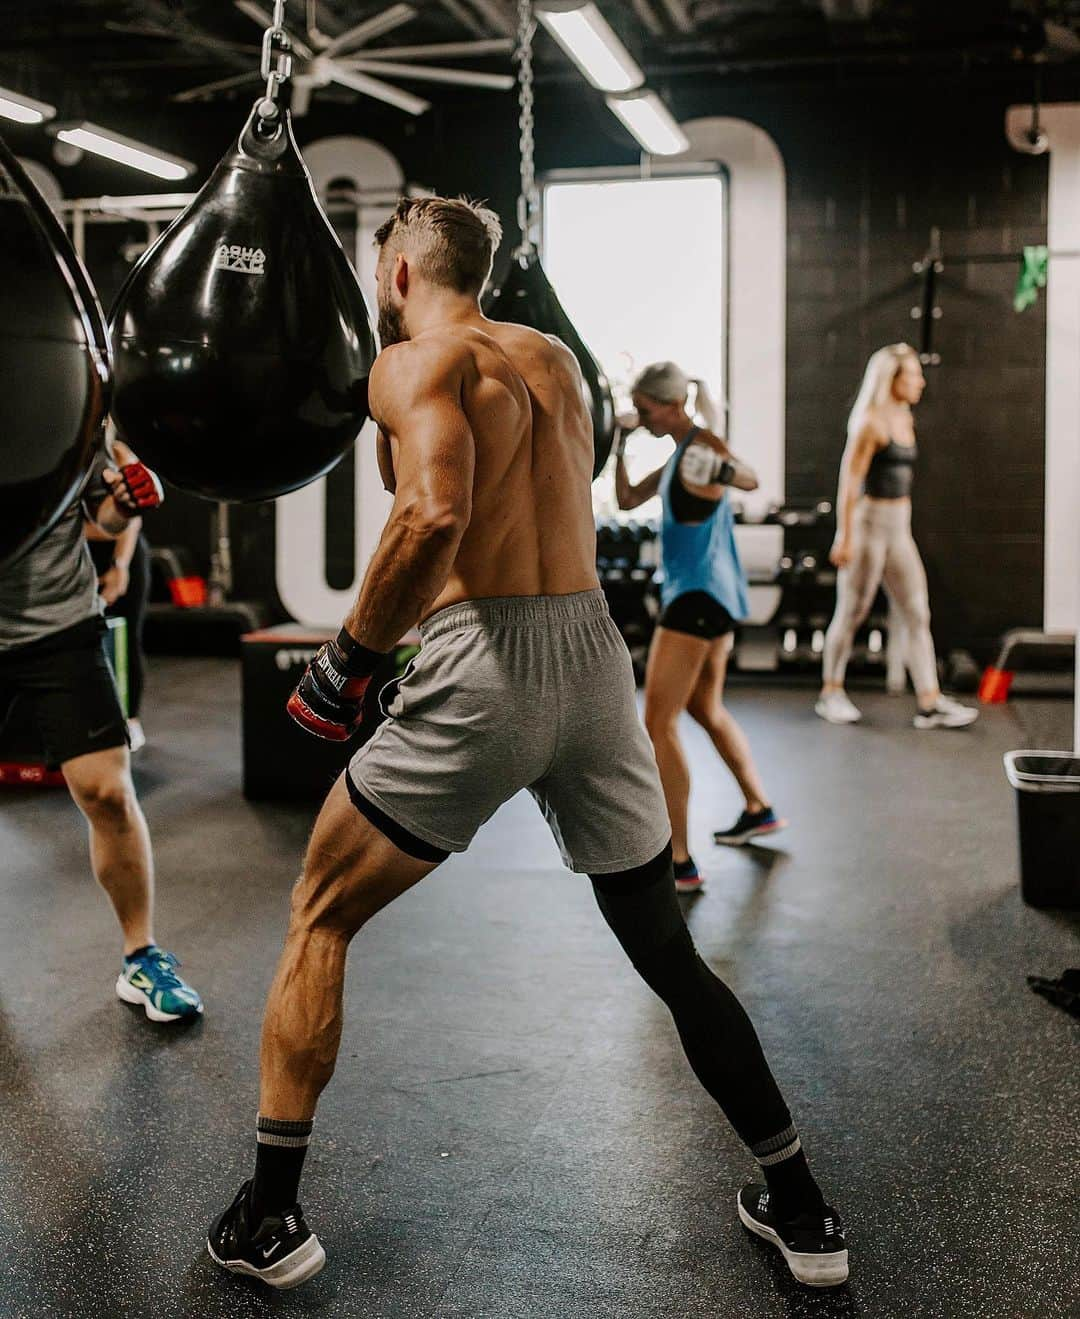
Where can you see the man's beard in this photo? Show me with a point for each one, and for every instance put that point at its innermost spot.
(391, 325)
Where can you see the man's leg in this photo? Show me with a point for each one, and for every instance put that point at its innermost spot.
(351, 871)
(720, 1042)
(100, 785)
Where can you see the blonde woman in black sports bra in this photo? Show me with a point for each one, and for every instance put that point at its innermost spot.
(874, 543)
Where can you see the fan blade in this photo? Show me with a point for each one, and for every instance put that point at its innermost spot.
(198, 39)
(255, 12)
(381, 91)
(500, 82)
(259, 15)
(140, 30)
(465, 17)
(444, 50)
(371, 28)
(496, 15)
(222, 85)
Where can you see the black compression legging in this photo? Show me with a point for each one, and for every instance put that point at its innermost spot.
(721, 1044)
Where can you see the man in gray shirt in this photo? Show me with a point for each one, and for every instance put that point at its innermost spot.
(52, 658)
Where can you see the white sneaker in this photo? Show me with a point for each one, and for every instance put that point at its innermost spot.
(835, 708)
(947, 713)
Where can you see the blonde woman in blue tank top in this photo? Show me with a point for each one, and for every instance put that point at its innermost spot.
(703, 596)
(874, 544)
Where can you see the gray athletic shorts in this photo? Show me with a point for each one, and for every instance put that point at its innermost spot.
(519, 692)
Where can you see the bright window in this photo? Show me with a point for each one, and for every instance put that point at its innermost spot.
(639, 265)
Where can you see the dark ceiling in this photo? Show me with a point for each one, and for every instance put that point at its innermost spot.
(79, 54)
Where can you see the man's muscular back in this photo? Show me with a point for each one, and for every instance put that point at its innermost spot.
(499, 409)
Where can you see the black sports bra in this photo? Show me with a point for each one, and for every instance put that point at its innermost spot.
(892, 471)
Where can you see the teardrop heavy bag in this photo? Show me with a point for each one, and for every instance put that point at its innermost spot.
(242, 341)
(54, 364)
(527, 298)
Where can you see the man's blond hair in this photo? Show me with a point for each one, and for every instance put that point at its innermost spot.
(450, 240)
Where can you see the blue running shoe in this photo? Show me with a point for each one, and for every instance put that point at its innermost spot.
(687, 877)
(750, 825)
(149, 980)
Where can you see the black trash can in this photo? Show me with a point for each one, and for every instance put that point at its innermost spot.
(1047, 787)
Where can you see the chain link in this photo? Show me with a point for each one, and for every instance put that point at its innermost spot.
(529, 198)
(276, 63)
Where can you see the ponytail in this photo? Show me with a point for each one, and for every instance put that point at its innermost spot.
(705, 405)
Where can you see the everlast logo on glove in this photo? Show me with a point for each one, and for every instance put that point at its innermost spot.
(327, 665)
(246, 260)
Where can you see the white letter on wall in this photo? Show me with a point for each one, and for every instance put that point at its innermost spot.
(371, 172)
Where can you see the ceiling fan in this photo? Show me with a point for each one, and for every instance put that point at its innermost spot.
(345, 60)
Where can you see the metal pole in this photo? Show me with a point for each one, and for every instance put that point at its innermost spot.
(221, 573)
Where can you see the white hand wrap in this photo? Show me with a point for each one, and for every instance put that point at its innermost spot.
(702, 465)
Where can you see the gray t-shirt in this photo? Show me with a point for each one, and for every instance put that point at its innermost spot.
(53, 585)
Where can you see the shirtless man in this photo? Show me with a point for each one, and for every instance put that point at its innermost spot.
(522, 681)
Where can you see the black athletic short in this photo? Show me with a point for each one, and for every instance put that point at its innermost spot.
(698, 615)
(66, 680)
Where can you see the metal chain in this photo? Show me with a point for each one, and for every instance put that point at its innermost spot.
(276, 65)
(529, 198)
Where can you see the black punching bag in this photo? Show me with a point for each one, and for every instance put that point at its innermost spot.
(527, 298)
(54, 364)
(242, 340)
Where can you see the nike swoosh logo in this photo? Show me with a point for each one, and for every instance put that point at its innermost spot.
(267, 1253)
(97, 732)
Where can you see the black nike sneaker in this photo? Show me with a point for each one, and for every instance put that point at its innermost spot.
(814, 1248)
(283, 1252)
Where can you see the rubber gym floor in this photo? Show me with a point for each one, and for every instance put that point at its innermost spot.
(513, 1131)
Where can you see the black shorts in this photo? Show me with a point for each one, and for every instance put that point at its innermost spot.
(66, 680)
(698, 615)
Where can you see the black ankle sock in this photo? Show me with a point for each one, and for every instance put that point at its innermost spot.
(791, 1184)
(279, 1161)
(130, 957)
(683, 869)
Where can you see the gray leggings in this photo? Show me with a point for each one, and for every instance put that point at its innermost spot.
(884, 551)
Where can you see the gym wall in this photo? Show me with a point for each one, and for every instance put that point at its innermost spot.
(871, 166)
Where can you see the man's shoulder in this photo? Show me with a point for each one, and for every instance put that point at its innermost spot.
(425, 359)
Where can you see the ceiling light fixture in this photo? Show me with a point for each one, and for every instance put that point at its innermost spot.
(651, 122)
(124, 150)
(24, 109)
(587, 37)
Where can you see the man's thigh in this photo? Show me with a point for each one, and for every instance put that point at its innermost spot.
(351, 869)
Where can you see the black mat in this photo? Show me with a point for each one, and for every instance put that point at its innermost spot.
(513, 1131)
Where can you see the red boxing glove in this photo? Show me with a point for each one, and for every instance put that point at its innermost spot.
(329, 699)
(136, 490)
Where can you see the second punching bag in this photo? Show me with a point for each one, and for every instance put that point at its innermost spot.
(527, 298)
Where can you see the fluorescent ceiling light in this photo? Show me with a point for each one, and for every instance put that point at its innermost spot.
(586, 36)
(102, 142)
(24, 109)
(651, 122)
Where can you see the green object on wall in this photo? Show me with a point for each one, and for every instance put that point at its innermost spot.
(1032, 277)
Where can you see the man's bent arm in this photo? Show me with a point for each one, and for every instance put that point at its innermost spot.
(416, 396)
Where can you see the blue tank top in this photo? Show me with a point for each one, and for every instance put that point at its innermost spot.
(701, 557)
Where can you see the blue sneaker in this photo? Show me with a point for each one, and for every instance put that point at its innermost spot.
(750, 825)
(687, 877)
(149, 980)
